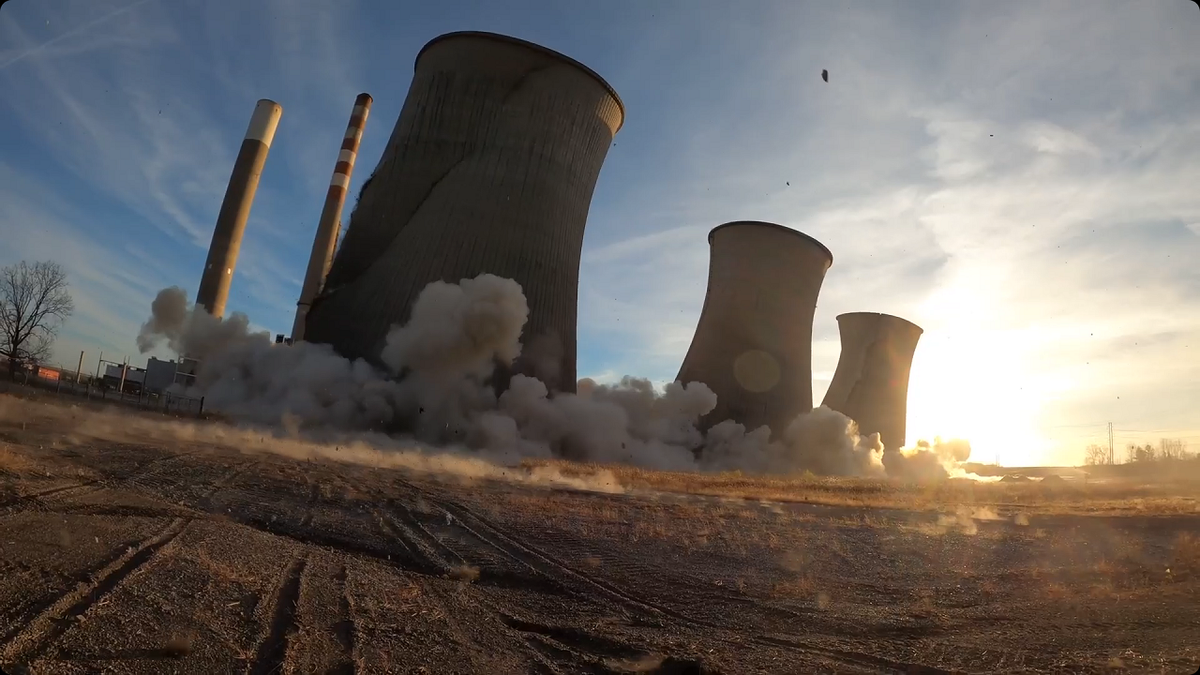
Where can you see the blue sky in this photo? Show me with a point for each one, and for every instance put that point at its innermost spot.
(1019, 179)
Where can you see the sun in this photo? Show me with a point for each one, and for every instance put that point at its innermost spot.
(971, 380)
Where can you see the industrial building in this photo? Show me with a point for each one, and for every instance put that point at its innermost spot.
(160, 374)
(753, 343)
(235, 208)
(870, 385)
(490, 169)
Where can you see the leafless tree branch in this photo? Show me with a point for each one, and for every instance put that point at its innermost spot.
(34, 302)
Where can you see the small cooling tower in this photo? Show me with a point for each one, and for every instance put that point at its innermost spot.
(870, 385)
(490, 169)
(235, 208)
(753, 343)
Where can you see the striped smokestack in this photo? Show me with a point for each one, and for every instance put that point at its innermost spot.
(330, 224)
(235, 209)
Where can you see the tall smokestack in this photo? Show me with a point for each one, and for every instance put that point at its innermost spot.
(330, 224)
(870, 385)
(753, 343)
(235, 209)
(489, 169)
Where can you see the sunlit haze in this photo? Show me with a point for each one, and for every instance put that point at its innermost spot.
(1018, 179)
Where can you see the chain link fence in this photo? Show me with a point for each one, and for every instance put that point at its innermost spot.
(68, 383)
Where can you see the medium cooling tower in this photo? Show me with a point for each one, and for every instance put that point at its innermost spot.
(753, 344)
(870, 385)
(490, 169)
(235, 208)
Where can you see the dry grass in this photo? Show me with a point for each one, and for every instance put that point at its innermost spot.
(230, 574)
(1185, 555)
(16, 463)
(51, 421)
(1104, 498)
(923, 605)
(646, 664)
(464, 573)
(802, 586)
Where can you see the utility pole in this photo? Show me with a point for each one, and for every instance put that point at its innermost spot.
(1111, 457)
(78, 369)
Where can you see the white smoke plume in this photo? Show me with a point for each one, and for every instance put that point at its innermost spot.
(925, 460)
(243, 375)
(823, 441)
(438, 389)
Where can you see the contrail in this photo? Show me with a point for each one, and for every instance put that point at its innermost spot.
(72, 32)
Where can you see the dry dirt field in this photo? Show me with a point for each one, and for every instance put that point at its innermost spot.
(134, 543)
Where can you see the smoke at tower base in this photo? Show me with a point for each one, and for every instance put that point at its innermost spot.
(438, 390)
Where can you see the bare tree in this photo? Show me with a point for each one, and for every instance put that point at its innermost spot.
(1172, 448)
(1096, 455)
(34, 302)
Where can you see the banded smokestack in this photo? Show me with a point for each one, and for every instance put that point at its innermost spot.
(235, 209)
(870, 385)
(329, 225)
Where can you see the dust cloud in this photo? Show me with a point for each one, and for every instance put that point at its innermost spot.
(437, 390)
(81, 425)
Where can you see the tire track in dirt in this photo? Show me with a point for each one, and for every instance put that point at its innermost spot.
(33, 501)
(549, 565)
(147, 468)
(272, 651)
(206, 502)
(168, 510)
(546, 564)
(419, 556)
(553, 649)
(430, 556)
(52, 622)
(58, 615)
(33, 498)
(346, 630)
(314, 494)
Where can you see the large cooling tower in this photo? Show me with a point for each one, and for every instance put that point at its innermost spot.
(753, 344)
(490, 169)
(870, 385)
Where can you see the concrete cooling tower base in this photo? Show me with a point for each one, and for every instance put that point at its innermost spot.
(753, 343)
(490, 169)
(870, 385)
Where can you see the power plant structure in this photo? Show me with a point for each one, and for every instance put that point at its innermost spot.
(329, 226)
(235, 208)
(490, 169)
(870, 385)
(753, 342)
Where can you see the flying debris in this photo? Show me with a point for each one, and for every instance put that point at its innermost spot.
(825, 73)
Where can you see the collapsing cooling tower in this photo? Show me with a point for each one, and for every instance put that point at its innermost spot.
(870, 385)
(490, 169)
(235, 208)
(328, 226)
(753, 344)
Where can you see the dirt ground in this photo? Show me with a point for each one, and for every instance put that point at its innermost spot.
(133, 543)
